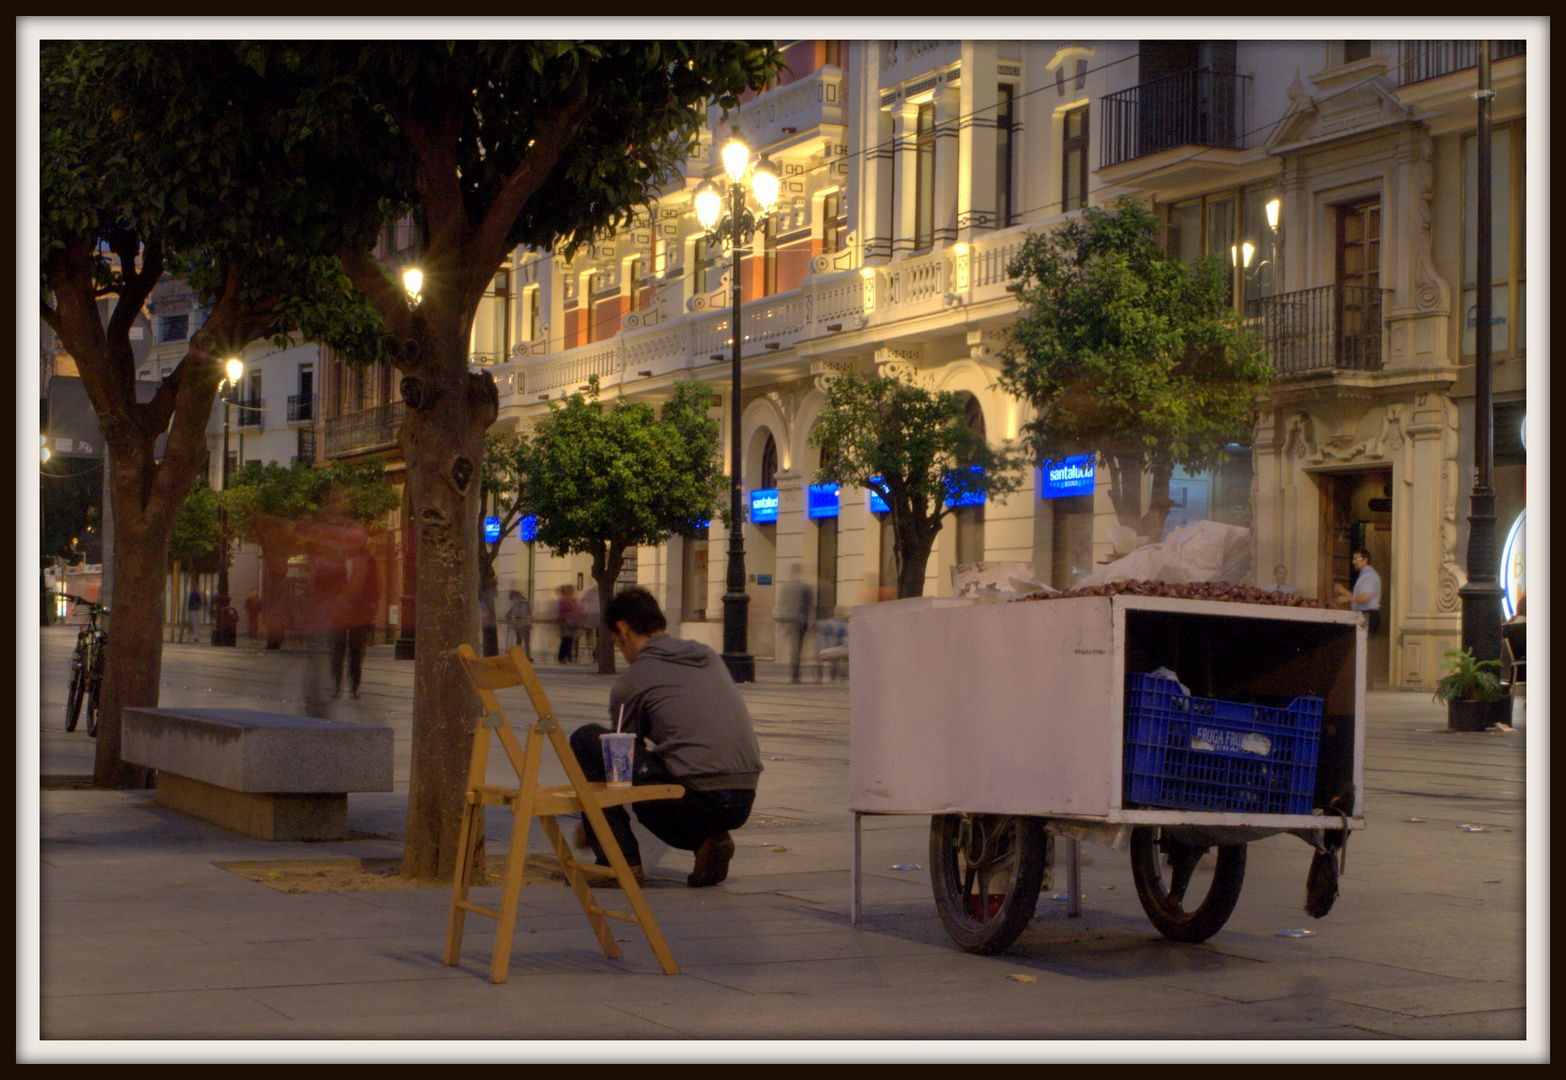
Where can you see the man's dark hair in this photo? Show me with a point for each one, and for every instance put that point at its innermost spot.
(638, 609)
(1364, 552)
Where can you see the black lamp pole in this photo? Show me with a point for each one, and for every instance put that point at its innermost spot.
(1482, 595)
(223, 632)
(736, 602)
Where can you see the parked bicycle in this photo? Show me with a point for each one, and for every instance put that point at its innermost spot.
(86, 667)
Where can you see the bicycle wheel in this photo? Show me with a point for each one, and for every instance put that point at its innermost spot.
(1166, 904)
(986, 870)
(94, 688)
(73, 696)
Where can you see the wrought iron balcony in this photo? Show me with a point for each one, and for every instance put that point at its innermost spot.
(367, 429)
(249, 412)
(1330, 328)
(1423, 60)
(306, 446)
(1199, 107)
(301, 408)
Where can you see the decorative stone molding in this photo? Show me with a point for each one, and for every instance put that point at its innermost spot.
(984, 345)
(1432, 291)
(826, 372)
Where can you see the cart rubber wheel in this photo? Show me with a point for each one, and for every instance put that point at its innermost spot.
(986, 870)
(1163, 895)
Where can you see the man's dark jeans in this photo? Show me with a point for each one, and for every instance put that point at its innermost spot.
(681, 823)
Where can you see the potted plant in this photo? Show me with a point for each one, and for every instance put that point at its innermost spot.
(1474, 697)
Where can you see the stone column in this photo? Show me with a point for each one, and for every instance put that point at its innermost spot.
(948, 114)
(976, 208)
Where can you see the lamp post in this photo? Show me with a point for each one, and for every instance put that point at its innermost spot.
(412, 283)
(1481, 597)
(736, 226)
(225, 621)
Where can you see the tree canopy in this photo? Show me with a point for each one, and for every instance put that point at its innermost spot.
(1129, 354)
(603, 480)
(915, 449)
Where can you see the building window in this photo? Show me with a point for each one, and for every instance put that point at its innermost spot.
(831, 227)
(769, 464)
(1236, 227)
(535, 327)
(700, 264)
(1508, 242)
(1355, 50)
(633, 277)
(924, 178)
(175, 327)
(834, 53)
(502, 316)
(769, 255)
(589, 307)
(1074, 159)
(1003, 155)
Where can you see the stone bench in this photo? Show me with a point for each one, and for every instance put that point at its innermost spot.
(267, 775)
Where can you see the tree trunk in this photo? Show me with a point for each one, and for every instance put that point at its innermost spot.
(606, 571)
(442, 441)
(133, 662)
(914, 541)
(1125, 489)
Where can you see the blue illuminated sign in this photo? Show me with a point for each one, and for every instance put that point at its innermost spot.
(1069, 476)
(877, 504)
(491, 529)
(764, 506)
(822, 501)
(966, 498)
(528, 530)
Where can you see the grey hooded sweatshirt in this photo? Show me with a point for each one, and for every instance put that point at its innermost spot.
(679, 697)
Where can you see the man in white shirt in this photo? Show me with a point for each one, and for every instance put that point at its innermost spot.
(1366, 593)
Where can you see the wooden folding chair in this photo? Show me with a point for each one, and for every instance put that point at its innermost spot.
(527, 800)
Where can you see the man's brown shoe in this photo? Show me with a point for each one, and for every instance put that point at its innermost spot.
(712, 861)
(596, 882)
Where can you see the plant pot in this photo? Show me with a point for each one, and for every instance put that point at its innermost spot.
(1478, 715)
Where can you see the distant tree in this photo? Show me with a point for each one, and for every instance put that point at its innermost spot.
(914, 448)
(1129, 354)
(189, 158)
(604, 480)
(196, 537)
(505, 455)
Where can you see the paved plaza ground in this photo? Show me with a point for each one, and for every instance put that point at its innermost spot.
(137, 941)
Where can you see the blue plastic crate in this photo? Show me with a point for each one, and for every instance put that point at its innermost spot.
(1194, 753)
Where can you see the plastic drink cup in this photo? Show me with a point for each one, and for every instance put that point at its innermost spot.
(618, 748)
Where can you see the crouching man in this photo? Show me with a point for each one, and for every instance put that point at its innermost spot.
(692, 729)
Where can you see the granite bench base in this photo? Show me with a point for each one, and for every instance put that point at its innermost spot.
(267, 775)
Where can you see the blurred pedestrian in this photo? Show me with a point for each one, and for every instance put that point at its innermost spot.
(487, 596)
(1365, 594)
(253, 613)
(355, 619)
(519, 617)
(568, 612)
(796, 607)
(587, 624)
(192, 609)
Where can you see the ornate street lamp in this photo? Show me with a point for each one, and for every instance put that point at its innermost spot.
(736, 226)
(225, 622)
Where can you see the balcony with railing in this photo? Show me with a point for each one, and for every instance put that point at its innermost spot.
(249, 412)
(1313, 331)
(1199, 107)
(301, 408)
(831, 302)
(1421, 60)
(306, 448)
(363, 431)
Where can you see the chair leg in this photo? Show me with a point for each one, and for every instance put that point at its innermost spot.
(516, 859)
(467, 842)
(578, 882)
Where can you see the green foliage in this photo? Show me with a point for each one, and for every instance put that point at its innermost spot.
(1126, 352)
(196, 534)
(622, 476)
(1467, 679)
(249, 175)
(644, 104)
(914, 448)
(259, 493)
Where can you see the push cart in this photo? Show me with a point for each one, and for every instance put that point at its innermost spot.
(1180, 728)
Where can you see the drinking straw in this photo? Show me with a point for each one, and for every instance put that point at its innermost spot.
(619, 721)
